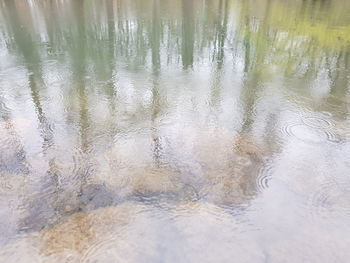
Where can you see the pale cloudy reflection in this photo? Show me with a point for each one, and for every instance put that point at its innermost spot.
(177, 131)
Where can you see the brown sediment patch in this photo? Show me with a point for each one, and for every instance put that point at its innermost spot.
(248, 145)
(342, 130)
(119, 234)
(230, 165)
(80, 231)
(227, 188)
(220, 165)
(218, 147)
(91, 235)
(158, 180)
(74, 236)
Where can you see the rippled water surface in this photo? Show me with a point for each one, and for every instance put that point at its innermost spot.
(175, 131)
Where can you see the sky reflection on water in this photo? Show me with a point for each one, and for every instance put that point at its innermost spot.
(174, 131)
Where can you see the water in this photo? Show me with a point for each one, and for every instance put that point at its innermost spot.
(174, 131)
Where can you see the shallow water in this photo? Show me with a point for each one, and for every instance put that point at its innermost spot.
(174, 131)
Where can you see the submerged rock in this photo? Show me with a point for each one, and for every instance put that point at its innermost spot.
(154, 181)
(230, 164)
(342, 130)
(14, 188)
(79, 237)
(47, 207)
(212, 163)
(144, 182)
(221, 167)
(175, 233)
(68, 240)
